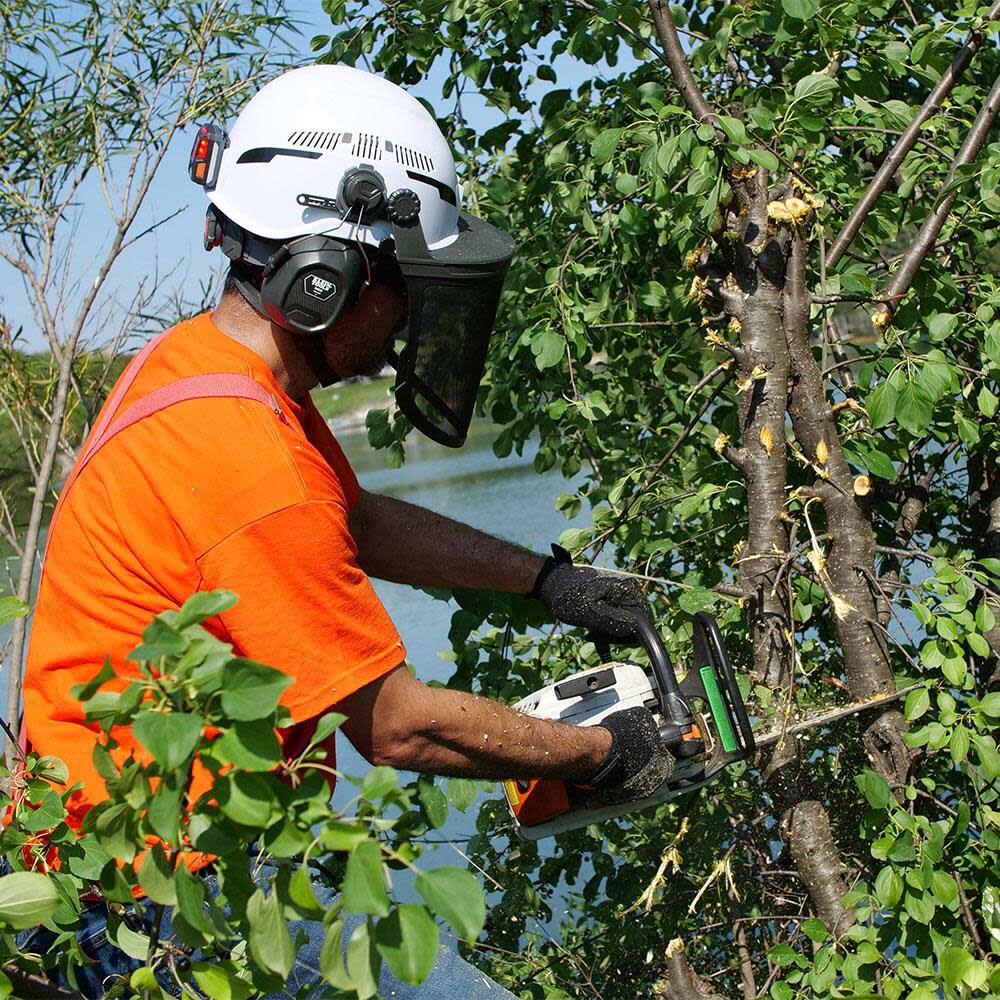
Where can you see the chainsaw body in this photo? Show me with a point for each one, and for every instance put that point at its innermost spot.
(702, 721)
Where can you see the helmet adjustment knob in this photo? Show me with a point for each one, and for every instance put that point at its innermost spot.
(403, 207)
(361, 188)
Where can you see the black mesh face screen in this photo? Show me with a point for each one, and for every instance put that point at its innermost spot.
(442, 365)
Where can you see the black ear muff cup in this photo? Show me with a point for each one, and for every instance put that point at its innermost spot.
(308, 284)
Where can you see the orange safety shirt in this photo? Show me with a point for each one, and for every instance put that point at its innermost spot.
(205, 494)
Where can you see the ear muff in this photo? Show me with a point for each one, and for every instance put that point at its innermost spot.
(308, 283)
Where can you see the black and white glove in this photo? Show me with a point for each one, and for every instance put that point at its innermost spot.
(605, 603)
(636, 765)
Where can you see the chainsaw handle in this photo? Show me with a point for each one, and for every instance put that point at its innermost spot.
(709, 648)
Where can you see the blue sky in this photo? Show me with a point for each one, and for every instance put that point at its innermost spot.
(173, 255)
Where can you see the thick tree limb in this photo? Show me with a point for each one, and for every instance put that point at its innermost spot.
(680, 69)
(679, 981)
(907, 140)
(984, 509)
(928, 234)
(806, 826)
(850, 561)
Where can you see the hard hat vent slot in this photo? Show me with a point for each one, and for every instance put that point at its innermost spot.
(411, 158)
(367, 147)
(315, 140)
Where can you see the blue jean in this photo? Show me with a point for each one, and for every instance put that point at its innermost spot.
(452, 978)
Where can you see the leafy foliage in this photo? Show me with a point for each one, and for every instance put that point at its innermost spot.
(624, 350)
(212, 785)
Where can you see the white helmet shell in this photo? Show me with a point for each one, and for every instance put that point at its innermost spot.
(301, 133)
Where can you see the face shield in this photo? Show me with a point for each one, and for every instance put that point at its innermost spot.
(452, 293)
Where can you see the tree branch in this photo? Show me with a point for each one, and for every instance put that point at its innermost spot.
(928, 234)
(906, 141)
(677, 60)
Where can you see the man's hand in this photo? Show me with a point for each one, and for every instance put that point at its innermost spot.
(581, 595)
(636, 765)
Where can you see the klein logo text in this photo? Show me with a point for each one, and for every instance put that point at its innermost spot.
(319, 288)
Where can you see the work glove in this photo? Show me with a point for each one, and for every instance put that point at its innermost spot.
(605, 603)
(637, 764)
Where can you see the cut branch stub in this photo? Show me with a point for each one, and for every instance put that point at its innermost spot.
(679, 981)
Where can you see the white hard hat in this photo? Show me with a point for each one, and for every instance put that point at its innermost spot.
(308, 132)
(323, 159)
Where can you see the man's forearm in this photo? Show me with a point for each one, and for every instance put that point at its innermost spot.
(402, 722)
(408, 544)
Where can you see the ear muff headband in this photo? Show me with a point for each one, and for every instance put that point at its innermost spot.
(308, 283)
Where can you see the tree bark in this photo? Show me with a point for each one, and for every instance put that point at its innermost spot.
(984, 510)
(679, 981)
(850, 562)
(806, 828)
(906, 141)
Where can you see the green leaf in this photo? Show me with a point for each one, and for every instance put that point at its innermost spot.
(875, 788)
(246, 798)
(959, 744)
(202, 605)
(159, 639)
(917, 702)
(126, 940)
(987, 403)
(11, 608)
(977, 644)
(461, 793)
(378, 782)
(156, 877)
(327, 725)
(339, 835)
(990, 705)
(817, 87)
(914, 408)
(269, 940)
(801, 10)
(815, 930)
(955, 963)
(251, 746)
(733, 127)
(27, 899)
(191, 899)
(363, 961)
(604, 146)
(331, 958)
(170, 737)
(881, 404)
(432, 800)
(219, 982)
(408, 940)
(251, 690)
(84, 692)
(300, 892)
(888, 887)
(456, 896)
(764, 158)
(363, 888)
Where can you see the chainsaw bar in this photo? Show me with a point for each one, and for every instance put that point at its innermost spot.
(822, 718)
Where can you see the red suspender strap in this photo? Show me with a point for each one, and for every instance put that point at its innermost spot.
(223, 385)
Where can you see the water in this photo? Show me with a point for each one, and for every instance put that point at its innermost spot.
(504, 497)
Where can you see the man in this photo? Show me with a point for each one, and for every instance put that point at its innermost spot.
(336, 200)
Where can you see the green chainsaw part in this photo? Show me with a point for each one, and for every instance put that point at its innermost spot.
(718, 708)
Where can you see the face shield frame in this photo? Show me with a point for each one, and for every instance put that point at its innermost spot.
(453, 294)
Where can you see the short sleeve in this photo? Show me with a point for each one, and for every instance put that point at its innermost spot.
(305, 605)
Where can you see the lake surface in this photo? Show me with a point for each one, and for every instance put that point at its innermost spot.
(504, 497)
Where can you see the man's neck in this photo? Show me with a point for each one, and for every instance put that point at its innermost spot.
(236, 318)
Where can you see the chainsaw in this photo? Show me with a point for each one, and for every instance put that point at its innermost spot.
(702, 720)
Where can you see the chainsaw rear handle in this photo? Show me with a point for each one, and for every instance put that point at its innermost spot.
(710, 649)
